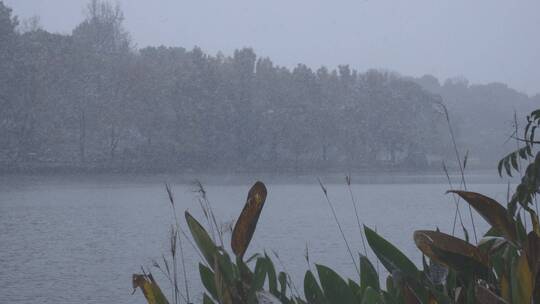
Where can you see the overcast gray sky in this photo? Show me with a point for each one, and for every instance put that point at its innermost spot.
(482, 40)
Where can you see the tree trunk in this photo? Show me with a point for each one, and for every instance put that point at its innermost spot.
(113, 143)
(82, 137)
(296, 155)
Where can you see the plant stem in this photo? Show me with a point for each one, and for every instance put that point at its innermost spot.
(348, 180)
(458, 158)
(339, 226)
(456, 201)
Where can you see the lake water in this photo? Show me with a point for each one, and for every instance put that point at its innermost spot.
(79, 239)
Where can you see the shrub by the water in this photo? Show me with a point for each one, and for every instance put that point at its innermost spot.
(503, 267)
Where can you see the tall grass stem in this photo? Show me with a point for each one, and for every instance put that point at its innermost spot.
(339, 225)
(461, 169)
(348, 180)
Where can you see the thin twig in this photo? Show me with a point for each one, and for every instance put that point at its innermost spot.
(339, 225)
(525, 140)
(183, 260)
(348, 180)
(202, 191)
(451, 130)
(181, 247)
(456, 201)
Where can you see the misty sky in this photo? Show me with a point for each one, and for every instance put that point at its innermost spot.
(482, 40)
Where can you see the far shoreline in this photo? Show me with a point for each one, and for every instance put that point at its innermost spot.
(479, 176)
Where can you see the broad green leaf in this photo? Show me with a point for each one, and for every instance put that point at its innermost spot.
(202, 239)
(208, 280)
(368, 274)
(259, 276)
(371, 296)
(150, 288)
(299, 301)
(265, 297)
(272, 277)
(392, 259)
(229, 271)
(390, 284)
(437, 296)
(207, 300)
(222, 287)
(334, 287)
(247, 221)
(252, 257)
(388, 298)
(532, 249)
(282, 278)
(513, 161)
(246, 274)
(520, 229)
(409, 296)
(356, 289)
(493, 212)
(312, 290)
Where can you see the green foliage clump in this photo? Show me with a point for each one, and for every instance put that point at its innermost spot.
(504, 267)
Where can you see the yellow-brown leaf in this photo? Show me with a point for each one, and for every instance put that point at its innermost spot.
(486, 296)
(247, 221)
(522, 281)
(505, 288)
(451, 251)
(536, 225)
(493, 212)
(432, 299)
(532, 250)
(150, 288)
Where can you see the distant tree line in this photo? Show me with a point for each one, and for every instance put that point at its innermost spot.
(484, 115)
(92, 100)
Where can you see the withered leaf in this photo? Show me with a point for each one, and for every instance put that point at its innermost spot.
(493, 212)
(150, 288)
(247, 221)
(451, 251)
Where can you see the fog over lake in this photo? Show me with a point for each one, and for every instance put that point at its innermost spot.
(65, 238)
(304, 142)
